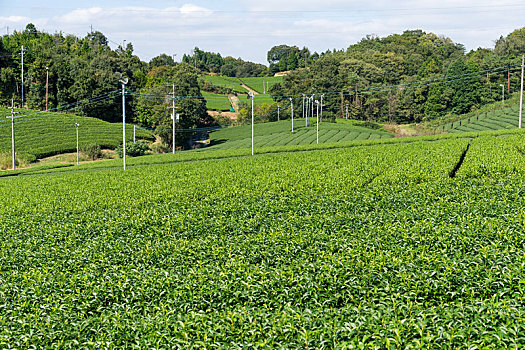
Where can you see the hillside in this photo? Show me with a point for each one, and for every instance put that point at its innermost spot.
(44, 134)
(418, 241)
(495, 116)
(279, 134)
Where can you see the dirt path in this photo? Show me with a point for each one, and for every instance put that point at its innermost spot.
(249, 88)
(234, 101)
(232, 116)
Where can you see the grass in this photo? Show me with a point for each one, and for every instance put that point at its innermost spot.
(46, 134)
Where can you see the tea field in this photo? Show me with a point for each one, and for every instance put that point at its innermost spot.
(44, 134)
(259, 84)
(226, 82)
(216, 102)
(280, 134)
(401, 245)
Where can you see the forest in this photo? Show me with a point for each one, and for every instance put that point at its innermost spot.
(404, 78)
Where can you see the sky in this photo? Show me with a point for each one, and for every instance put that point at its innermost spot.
(249, 28)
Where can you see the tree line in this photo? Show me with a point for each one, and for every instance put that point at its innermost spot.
(408, 77)
(84, 69)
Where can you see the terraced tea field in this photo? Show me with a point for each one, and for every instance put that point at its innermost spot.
(279, 134)
(47, 134)
(256, 83)
(227, 82)
(497, 119)
(216, 102)
(412, 244)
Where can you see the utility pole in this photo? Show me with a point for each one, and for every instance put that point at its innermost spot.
(134, 128)
(303, 105)
(346, 110)
(305, 66)
(291, 106)
(47, 85)
(13, 132)
(175, 118)
(264, 87)
(307, 109)
(508, 78)
(253, 117)
(322, 95)
(502, 94)
(77, 125)
(22, 76)
(312, 105)
(521, 94)
(173, 115)
(124, 81)
(317, 124)
(278, 113)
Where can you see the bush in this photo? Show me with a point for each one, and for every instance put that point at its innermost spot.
(21, 160)
(92, 151)
(328, 117)
(159, 147)
(136, 149)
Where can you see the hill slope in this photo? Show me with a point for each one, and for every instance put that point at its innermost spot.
(45, 134)
(279, 134)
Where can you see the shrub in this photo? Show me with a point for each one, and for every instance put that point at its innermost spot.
(91, 150)
(136, 149)
(21, 160)
(328, 117)
(159, 147)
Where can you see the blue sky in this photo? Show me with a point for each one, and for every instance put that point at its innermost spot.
(249, 28)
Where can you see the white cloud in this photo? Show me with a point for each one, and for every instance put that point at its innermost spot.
(193, 9)
(249, 29)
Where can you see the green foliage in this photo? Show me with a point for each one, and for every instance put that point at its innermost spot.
(231, 67)
(45, 134)
(79, 68)
(410, 77)
(91, 150)
(154, 109)
(284, 57)
(21, 160)
(134, 149)
(279, 134)
(216, 102)
(362, 247)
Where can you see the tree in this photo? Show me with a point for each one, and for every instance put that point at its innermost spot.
(161, 60)
(465, 86)
(155, 112)
(513, 44)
